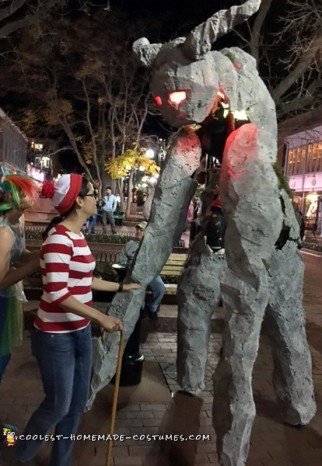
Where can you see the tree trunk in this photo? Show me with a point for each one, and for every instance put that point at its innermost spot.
(129, 198)
(119, 187)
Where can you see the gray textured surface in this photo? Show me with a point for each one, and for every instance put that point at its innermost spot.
(198, 296)
(168, 214)
(249, 193)
(285, 325)
(199, 41)
(255, 278)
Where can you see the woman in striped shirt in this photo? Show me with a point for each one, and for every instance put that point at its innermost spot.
(61, 340)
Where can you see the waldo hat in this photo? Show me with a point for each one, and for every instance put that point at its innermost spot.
(64, 192)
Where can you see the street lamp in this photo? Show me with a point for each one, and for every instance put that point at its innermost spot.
(153, 180)
(149, 153)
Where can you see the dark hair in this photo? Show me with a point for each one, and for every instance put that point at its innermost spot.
(82, 194)
(108, 187)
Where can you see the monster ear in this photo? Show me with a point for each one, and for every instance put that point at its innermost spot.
(145, 51)
(200, 40)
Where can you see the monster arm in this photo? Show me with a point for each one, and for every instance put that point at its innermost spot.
(171, 201)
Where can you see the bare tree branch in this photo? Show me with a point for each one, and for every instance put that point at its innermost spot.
(28, 20)
(256, 32)
(9, 10)
(298, 71)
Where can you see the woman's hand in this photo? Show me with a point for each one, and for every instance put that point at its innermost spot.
(110, 323)
(131, 286)
(103, 285)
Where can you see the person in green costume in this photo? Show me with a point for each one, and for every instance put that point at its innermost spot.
(16, 194)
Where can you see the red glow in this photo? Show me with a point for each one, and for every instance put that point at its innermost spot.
(240, 145)
(176, 98)
(157, 100)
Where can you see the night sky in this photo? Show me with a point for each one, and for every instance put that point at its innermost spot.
(177, 16)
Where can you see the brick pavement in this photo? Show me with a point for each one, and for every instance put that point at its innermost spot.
(272, 443)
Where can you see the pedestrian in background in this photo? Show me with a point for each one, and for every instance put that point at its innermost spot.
(91, 222)
(109, 207)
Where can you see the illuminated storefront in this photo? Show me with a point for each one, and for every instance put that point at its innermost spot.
(303, 168)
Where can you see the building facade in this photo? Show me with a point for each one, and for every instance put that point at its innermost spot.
(13, 144)
(303, 168)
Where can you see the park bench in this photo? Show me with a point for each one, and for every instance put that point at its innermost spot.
(118, 217)
(172, 270)
(174, 265)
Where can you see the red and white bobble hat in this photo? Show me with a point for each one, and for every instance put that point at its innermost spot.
(64, 192)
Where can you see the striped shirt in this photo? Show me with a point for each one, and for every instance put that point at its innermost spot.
(67, 268)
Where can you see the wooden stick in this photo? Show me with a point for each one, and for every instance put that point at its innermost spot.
(115, 397)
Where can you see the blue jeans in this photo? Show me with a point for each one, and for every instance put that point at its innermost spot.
(65, 361)
(108, 215)
(91, 223)
(157, 287)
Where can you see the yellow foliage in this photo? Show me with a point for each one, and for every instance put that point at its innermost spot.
(131, 160)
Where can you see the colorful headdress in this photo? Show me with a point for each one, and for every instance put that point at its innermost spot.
(13, 188)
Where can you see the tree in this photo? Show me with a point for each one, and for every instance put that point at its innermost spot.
(95, 92)
(288, 53)
(18, 14)
(125, 166)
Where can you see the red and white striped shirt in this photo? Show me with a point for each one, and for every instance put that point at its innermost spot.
(67, 268)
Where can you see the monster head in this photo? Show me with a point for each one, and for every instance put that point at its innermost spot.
(188, 80)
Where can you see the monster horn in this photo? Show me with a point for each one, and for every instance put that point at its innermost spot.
(145, 51)
(201, 38)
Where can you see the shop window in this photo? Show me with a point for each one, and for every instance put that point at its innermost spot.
(319, 158)
(309, 158)
(314, 157)
(297, 161)
(290, 164)
(303, 159)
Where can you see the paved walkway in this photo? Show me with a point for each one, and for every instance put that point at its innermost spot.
(152, 408)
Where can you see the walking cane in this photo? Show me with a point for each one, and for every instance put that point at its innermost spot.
(115, 397)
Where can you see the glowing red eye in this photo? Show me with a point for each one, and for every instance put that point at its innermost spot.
(177, 97)
(157, 100)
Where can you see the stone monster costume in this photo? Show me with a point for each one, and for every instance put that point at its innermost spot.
(264, 273)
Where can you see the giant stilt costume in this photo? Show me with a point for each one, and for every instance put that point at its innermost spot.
(190, 83)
